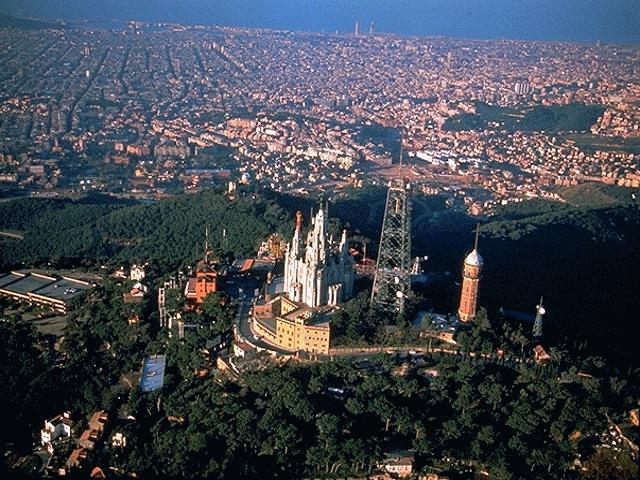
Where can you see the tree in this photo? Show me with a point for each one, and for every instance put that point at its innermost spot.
(218, 312)
(30, 393)
(606, 464)
(354, 321)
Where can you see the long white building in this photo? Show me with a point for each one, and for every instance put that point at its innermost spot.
(319, 272)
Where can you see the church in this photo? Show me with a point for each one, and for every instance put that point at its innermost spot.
(319, 272)
(318, 275)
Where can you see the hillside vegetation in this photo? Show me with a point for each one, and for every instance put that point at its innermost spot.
(580, 255)
(575, 117)
(166, 233)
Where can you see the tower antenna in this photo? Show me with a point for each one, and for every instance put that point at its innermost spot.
(391, 283)
(206, 244)
(400, 162)
(225, 240)
(475, 244)
(537, 325)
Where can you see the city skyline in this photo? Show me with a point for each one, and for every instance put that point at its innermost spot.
(568, 20)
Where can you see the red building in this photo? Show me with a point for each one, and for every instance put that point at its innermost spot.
(205, 281)
(470, 282)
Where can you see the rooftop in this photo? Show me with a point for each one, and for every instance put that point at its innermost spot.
(53, 287)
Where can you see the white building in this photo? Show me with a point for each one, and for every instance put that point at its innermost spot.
(58, 426)
(137, 273)
(118, 440)
(320, 272)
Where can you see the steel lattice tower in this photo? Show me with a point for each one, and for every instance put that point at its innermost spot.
(391, 283)
(537, 325)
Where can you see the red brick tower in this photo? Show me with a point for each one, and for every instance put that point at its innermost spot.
(470, 283)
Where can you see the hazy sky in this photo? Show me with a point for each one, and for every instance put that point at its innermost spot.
(579, 20)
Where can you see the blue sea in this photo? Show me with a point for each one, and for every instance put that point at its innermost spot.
(615, 21)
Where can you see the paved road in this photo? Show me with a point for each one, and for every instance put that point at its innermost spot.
(17, 236)
(244, 328)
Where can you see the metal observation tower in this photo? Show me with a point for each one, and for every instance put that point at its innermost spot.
(537, 325)
(391, 283)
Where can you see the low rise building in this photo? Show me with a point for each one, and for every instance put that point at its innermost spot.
(94, 430)
(52, 291)
(243, 349)
(205, 281)
(540, 355)
(399, 464)
(58, 426)
(137, 273)
(293, 326)
(87, 440)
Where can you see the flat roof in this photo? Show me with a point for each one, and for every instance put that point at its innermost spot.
(276, 286)
(7, 278)
(62, 289)
(27, 284)
(152, 376)
(268, 323)
(54, 288)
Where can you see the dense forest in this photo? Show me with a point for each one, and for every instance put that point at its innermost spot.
(322, 420)
(167, 234)
(516, 418)
(580, 255)
(285, 423)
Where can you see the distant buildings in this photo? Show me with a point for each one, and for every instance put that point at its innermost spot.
(344, 82)
(522, 87)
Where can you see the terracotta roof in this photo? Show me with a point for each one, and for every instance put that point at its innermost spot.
(248, 263)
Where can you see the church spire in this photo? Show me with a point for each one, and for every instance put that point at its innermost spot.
(295, 241)
(315, 273)
(298, 220)
(344, 247)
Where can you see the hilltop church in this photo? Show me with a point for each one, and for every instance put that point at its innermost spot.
(318, 274)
